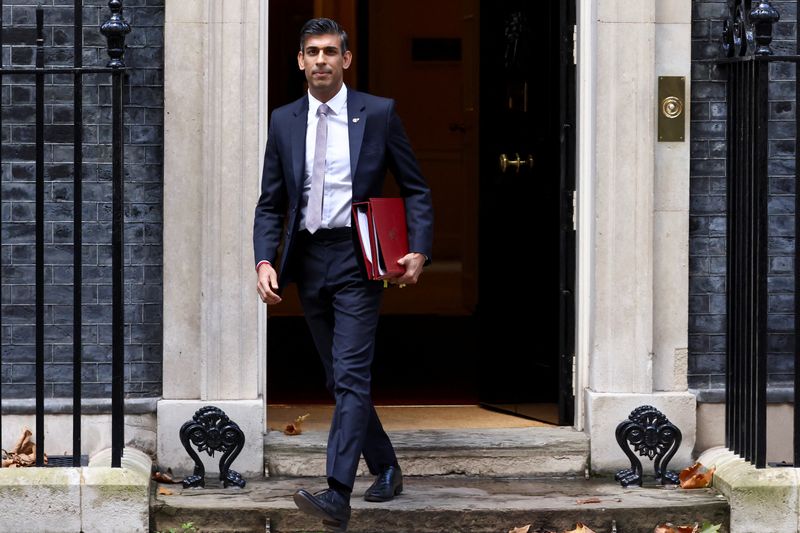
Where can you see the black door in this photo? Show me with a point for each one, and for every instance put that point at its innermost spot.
(527, 244)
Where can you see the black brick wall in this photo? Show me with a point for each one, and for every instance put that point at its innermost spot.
(143, 202)
(708, 202)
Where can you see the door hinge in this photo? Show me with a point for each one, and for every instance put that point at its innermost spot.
(574, 210)
(574, 381)
(574, 44)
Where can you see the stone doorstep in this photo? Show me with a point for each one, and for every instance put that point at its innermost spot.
(94, 498)
(765, 499)
(444, 504)
(512, 452)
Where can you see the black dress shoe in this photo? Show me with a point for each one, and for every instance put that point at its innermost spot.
(329, 505)
(387, 485)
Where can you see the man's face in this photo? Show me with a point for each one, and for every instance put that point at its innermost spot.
(323, 63)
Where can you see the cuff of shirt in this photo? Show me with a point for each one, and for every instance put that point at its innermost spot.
(261, 263)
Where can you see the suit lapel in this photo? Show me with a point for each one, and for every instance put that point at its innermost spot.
(298, 143)
(356, 123)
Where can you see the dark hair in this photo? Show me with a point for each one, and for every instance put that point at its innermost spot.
(322, 26)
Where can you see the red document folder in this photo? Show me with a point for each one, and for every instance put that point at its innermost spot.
(382, 231)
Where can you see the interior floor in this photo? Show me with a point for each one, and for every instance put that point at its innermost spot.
(405, 417)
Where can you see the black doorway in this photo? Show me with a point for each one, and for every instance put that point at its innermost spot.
(527, 251)
(513, 347)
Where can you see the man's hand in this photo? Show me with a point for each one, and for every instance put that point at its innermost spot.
(267, 284)
(413, 263)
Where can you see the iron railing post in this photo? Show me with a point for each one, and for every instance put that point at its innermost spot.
(40, 442)
(761, 179)
(2, 65)
(796, 431)
(115, 29)
(77, 199)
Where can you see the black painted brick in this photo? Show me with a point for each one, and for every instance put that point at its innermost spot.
(707, 263)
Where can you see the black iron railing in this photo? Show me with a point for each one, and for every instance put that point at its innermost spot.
(115, 30)
(747, 51)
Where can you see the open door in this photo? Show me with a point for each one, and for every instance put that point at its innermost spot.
(526, 204)
(567, 241)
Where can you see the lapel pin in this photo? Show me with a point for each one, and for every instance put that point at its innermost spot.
(355, 120)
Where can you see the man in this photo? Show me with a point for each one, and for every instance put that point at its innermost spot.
(328, 149)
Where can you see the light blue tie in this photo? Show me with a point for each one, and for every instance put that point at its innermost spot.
(314, 208)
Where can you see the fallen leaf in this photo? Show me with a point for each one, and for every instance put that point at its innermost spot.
(23, 441)
(23, 453)
(294, 428)
(588, 500)
(521, 529)
(696, 477)
(709, 528)
(165, 491)
(688, 472)
(580, 528)
(164, 477)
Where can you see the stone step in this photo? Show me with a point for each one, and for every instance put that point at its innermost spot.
(451, 504)
(512, 452)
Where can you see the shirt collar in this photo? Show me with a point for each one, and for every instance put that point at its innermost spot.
(337, 103)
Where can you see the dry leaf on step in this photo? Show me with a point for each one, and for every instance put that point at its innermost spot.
(521, 529)
(581, 528)
(584, 501)
(165, 491)
(696, 477)
(294, 428)
(688, 472)
(164, 477)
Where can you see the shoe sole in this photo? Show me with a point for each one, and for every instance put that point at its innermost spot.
(371, 498)
(309, 507)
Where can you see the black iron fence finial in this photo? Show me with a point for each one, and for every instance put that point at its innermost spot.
(115, 29)
(763, 16)
(747, 31)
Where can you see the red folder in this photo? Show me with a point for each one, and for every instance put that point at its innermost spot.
(382, 231)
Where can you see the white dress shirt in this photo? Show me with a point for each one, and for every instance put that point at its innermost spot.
(337, 193)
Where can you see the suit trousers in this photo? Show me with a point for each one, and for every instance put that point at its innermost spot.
(342, 309)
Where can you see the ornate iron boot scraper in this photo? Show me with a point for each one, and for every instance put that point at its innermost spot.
(650, 434)
(211, 430)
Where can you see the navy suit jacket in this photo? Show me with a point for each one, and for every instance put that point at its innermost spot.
(377, 142)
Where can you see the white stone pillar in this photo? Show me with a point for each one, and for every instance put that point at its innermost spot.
(638, 305)
(211, 167)
(671, 207)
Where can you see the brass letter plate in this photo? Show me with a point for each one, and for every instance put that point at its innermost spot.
(671, 108)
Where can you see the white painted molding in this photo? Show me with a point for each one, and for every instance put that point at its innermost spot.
(263, 125)
(585, 146)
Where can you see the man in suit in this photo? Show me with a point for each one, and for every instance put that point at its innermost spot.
(328, 149)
